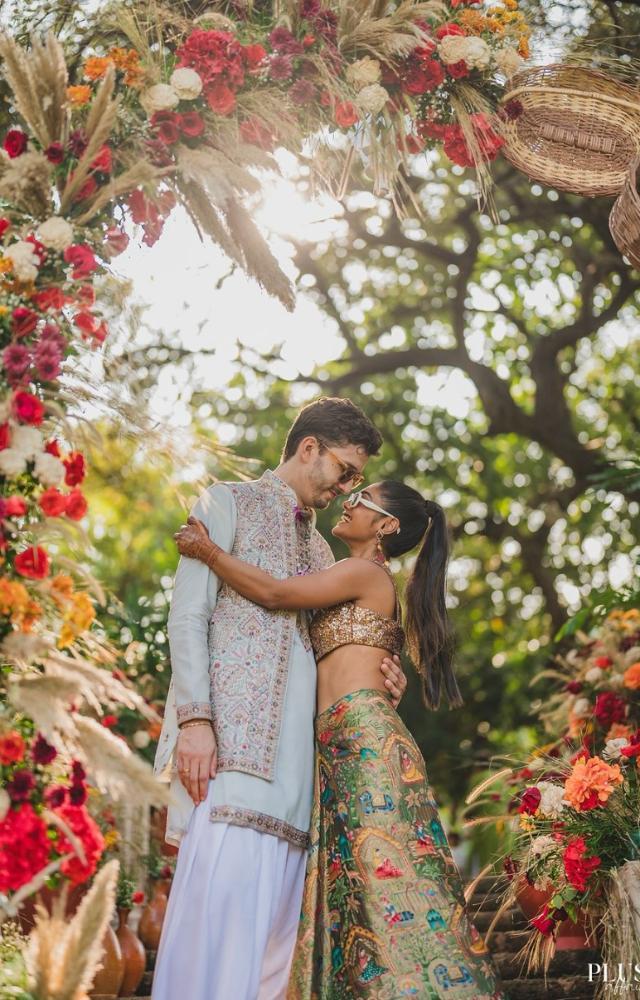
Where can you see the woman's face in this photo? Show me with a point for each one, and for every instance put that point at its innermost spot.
(359, 523)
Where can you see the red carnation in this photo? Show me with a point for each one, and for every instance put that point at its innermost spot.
(77, 505)
(23, 321)
(530, 801)
(21, 785)
(82, 260)
(24, 847)
(75, 467)
(191, 124)
(578, 867)
(28, 408)
(78, 795)
(254, 56)
(166, 124)
(544, 922)
(49, 298)
(609, 708)
(42, 751)
(449, 29)
(345, 114)
(52, 502)
(632, 748)
(15, 506)
(15, 142)
(458, 70)
(55, 152)
(103, 163)
(55, 795)
(220, 98)
(52, 448)
(32, 563)
(88, 833)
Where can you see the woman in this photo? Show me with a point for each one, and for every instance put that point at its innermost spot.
(383, 910)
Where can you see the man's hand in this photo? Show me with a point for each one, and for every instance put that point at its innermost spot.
(395, 679)
(197, 759)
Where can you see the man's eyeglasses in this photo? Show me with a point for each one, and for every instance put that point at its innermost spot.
(357, 498)
(349, 474)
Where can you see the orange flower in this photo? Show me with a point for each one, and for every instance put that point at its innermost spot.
(473, 22)
(154, 730)
(79, 96)
(591, 782)
(96, 67)
(618, 730)
(127, 60)
(12, 747)
(523, 48)
(632, 677)
(5, 265)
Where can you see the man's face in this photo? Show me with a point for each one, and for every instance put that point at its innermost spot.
(333, 472)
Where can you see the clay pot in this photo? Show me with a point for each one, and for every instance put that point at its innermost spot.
(108, 979)
(133, 954)
(48, 897)
(570, 936)
(152, 918)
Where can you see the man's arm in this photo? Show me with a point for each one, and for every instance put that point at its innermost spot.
(192, 604)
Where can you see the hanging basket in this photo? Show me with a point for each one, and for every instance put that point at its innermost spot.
(624, 221)
(571, 128)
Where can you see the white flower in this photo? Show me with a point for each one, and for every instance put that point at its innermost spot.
(56, 233)
(581, 708)
(48, 469)
(160, 97)
(615, 681)
(372, 98)
(612, 748)
(186, 83)
(456, 48)
(552, 801)
(594, 675)
(541, 845)
(508, 61)
(24, 259)
(26, 440)
(363, 73)
(141, 739)
(12, 462)
(23, 646)
(5, 802)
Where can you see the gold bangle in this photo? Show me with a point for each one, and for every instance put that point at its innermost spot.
(194, 722)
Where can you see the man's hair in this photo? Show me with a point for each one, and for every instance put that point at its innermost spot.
(334, 421)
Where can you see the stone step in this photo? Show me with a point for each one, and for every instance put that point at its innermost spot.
(511, 941)
(552, 988)
(563, 963)
(510, 920)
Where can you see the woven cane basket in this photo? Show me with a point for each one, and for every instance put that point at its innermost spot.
(572, 128)
(624, 221)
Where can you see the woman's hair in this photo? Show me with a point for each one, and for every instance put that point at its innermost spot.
(429, 636)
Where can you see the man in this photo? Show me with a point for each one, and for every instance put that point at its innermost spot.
(238, 725)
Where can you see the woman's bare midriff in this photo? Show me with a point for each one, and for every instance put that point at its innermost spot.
(348, 669)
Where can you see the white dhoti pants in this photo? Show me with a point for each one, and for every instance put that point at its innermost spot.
(231, 923)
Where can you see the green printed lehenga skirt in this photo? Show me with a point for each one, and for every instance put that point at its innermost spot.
(383, 910)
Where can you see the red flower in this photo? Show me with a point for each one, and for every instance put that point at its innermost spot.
(137, 897)
(86, 322)
(220, 98)
(609, 708)
(75, 467)
(15, 506)
(82, 260)
(15, 142)
(49, 298)
(23, 321)
(116, 240)
(458, 70)
(410, 143)
(530, 801)
(55, 152)
(5, 436)
(603, 662)
(28, 408)
(52, 502)
(166, 124)
(55, 795)
(254, 56)
(77, 771)
(544, 922)
(215, 55)
(512, 110)
(21, 785)
(573, 687)
(42, 751)
(52, 448)
(88, 189)
(24, 847)
(4, 225)
(103, 163)
(78, 794)
(578, 867)
(308, 41)
(345, 114)
(88, 833)
(191, 124)
(632, 749)
(109, 721)
(449, 29)
(257, 133)
(77, 505)
(582, 754)
(424, 77)
(428, 128)
(138, 206)
(86, 295)
(32, 563)
(12, 747)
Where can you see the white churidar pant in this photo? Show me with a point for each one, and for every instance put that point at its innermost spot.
(231, 923)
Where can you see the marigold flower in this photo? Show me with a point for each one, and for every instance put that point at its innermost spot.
(79, 96)
(591, 782)
(96, 67)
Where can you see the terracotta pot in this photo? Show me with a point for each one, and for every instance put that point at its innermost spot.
(108, 979)
(150, 926)
(570, 936)
(46, 896)
(133, 954)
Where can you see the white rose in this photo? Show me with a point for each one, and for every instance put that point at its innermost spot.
(26, 440)
(508, 61)
(160, 97)
(372, 98)
(363, 73)
(48, 469)
(56, 233)
(186, 83)
(12, 462)
(581, 708)
(24, 259)
(141, 739)
(594, 675)
(474, 51)
(5, 802)
(552, 799)
(612, 748)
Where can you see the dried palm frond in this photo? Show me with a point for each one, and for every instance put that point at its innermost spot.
(205, 217)
(26, 183)
(50, 71)
(383, 34)
(137, 176)
(476, 792)
(621, 935)
(101, 120)
(38, 81)
(45, 699)
(113, 767)
(215, 172)
(259, 262)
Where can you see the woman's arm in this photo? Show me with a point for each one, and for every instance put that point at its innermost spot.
(345, 581)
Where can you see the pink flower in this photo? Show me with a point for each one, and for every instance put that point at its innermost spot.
(16, 359)
(280, 67)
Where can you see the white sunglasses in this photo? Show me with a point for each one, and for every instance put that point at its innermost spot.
(357, 498)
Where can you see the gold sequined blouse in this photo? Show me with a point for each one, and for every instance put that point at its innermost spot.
(348, 624)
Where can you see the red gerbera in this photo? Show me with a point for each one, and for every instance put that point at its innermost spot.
(24, 847)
